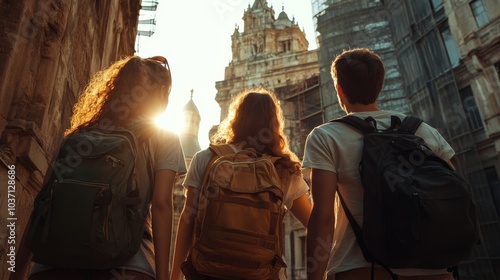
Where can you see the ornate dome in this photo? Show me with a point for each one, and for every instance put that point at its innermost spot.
(190, 106)
(283, 16)
(189, 136)
(283, 21)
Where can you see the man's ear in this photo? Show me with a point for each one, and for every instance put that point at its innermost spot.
(339, 90)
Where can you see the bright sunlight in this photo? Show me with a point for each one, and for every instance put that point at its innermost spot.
(170, 120)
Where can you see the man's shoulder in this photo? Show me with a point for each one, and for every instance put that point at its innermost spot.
(328, 128)
(204, 154)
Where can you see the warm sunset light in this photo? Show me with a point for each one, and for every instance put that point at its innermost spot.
(168, 121)
(200, 65)
(250, 139)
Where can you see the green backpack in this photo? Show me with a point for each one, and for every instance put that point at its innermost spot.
(88, 214)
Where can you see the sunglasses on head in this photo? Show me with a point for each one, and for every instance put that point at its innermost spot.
(164, 62)
(160, 59)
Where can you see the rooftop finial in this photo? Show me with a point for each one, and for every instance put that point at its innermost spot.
(192, 92)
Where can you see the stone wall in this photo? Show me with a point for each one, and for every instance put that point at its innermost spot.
(48, 51)
(478, 47)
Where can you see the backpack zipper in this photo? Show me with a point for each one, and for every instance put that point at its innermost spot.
(105, 230)
(114, 160)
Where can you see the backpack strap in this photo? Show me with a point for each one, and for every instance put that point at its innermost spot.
(359, 238)
(142, 129)
(217, 151)
(221, 149)
(395, 123)
(138, 145)
(410, 124)
(366, 126)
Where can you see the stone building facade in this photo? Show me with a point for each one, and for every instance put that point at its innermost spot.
(272, 52)
(475, 28)
(48, 51)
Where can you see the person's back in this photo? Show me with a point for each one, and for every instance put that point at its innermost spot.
(125, 97)
(333, 151)
(254, 126)
(240, 188)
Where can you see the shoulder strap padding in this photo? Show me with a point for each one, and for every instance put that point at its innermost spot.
(217, 150)
(358, 123)
(410, 124)
(221, 149)
(358, 232)
(395, 123)
(143, 130)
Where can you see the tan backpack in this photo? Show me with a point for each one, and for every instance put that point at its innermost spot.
(239, 225)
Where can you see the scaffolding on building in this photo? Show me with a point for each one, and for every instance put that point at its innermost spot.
(147, 21)
(302, 109)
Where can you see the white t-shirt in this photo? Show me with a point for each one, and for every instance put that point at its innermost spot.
(337, 147)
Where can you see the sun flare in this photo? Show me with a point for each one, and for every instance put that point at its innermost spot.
(170, 121)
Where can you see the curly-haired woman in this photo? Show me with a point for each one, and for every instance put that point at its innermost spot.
(255, 121)
(127, 95)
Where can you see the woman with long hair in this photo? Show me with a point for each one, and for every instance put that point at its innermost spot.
(255, 122)
(127, 96)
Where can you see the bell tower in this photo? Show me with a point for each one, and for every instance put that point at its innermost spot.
(262, 51)
(189, 134)
(263, 35)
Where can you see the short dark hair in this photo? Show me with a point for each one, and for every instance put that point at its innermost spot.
(360, 73)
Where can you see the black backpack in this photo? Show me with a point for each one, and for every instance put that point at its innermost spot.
(89, 213)
(417, 211)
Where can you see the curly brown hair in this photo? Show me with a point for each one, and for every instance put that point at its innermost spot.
(256, 119)
(130, 88)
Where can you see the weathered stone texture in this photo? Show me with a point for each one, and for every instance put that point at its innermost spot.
(48, 51)
(478, 48)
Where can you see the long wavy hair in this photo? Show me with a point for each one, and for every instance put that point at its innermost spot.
(116, 96)
(255, 118)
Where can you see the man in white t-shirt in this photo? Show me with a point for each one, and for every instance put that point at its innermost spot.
(333, 152)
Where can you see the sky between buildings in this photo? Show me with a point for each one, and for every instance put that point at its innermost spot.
(195, 36)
